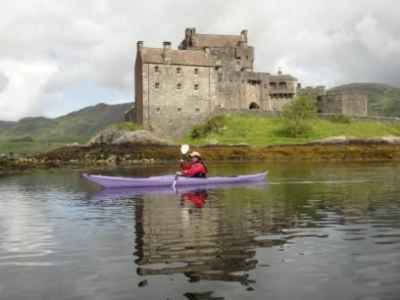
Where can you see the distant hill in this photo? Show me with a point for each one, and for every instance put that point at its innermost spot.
(77, 126)
(383, 100)
(5, 125)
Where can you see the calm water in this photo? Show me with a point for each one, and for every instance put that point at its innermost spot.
(313, 231)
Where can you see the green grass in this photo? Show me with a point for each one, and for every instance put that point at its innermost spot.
(261, 131)
(28, 147)
(126, 126)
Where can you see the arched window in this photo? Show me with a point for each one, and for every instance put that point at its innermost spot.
(254, 105)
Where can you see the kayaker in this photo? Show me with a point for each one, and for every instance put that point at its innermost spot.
(194, 168)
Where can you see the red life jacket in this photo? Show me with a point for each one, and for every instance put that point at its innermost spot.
(197, 169)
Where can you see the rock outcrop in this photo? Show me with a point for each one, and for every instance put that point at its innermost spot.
(113, 136)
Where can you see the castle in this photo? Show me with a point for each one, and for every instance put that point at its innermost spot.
(178, 88)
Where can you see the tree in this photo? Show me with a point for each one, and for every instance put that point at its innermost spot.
(296, 116)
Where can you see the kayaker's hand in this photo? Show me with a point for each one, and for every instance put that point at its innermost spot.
(178, 173)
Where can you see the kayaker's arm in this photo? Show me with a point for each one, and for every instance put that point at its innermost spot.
(185, 165)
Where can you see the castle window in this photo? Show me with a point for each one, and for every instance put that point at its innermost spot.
(157, 85)
(254, 82)
(158, 109)
(196, 86)
(219, 77)
(156, 69)
(272, 85)
(196, 71)
(197, 109)
(179, 86)
(178, 70)
(282, 85)
(179, 109)
(265, 86)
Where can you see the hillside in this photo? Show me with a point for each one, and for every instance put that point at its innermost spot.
(39, 133)
(383, 100)
(6, 125)
(256, 130)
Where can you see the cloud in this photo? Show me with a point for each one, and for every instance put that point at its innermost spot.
(3, 82)
(23, 93)
(60, 44)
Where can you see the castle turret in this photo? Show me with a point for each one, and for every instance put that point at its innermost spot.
(166, 47)
(139, 45)
(243, 36)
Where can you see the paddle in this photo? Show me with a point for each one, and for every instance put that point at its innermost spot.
(184, 150)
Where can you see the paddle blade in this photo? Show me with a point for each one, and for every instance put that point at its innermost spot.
(185, 149)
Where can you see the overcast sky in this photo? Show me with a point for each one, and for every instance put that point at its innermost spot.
(57, 56)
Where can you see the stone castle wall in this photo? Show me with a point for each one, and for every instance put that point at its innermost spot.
(349, 103)
(176, 97)
(178, 88)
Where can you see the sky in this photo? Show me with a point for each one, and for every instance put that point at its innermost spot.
(59, 56)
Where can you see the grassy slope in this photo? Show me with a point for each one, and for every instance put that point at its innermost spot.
(261, 131)
(77, 126)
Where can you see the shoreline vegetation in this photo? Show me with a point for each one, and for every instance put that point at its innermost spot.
(125, 155)
(229, 137)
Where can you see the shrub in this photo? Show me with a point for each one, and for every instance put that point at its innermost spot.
(214, 125)
(297, 115)
(295, 129)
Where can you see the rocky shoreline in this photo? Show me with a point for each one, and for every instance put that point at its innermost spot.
(128, 154)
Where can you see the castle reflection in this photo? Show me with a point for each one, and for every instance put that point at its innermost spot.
(202, 234)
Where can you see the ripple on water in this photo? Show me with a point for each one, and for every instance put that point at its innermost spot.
(331, 232)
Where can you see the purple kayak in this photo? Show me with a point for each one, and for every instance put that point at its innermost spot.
(168, 180)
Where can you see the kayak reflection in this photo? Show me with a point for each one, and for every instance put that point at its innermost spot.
(199, 238)
(126, 193)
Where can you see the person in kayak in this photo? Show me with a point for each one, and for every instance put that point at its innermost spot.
(195, 168)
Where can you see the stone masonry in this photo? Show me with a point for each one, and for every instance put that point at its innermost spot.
(349, 103)
(178, 88)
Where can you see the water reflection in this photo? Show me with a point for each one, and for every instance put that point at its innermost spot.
(315, 232)
(198, 238)
(196, 198)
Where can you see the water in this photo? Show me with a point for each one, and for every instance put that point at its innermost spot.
(315, 231)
